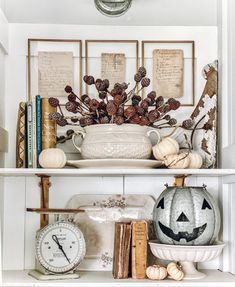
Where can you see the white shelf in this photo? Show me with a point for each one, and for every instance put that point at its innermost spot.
(114, 171)
(101, 279)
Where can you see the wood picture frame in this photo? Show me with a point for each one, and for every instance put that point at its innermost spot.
(189, 65)
(115, 46)
(52, 41)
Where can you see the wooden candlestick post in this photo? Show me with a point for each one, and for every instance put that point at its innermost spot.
(180, 180)
(45, 185)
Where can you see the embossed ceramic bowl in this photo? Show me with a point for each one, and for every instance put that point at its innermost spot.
(186, 255)
(126, 141)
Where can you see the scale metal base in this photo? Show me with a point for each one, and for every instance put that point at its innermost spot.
(40, 276)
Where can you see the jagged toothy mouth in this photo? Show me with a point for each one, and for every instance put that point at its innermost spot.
(182, 235)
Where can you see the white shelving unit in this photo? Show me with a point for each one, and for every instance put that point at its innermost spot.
(19, 187)
(214, 278)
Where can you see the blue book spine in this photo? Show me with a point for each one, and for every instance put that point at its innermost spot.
(38, 126)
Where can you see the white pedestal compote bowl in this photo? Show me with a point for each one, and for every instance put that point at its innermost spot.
(187, 255)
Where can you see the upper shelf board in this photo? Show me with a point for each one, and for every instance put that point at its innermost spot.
(116, 172)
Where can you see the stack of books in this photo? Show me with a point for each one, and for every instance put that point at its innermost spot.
(35, 131)
(131, 252)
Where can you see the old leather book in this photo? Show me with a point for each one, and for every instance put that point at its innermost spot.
(139, 249)
(121, 250)
(48, 126)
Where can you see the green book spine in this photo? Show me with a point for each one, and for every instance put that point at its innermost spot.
(38, 127)
(30, 134)
(34, 134)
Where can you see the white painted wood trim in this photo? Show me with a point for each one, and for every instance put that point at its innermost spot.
(229, 174)
(1, 223)
(232, 228)
(226, 36)
(214, 278)
(227, 197)
(223, 42)
(3, 140)
(3, 134)
(226, 104)
(14, 223)
(3, 32)
(228, 158)
(226, 83)
(224, 199)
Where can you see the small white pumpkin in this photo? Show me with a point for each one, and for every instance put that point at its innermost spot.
(165, 147)
(175, 271)
(52, 158)
(195, 160)
(178, 161)
(156, 272)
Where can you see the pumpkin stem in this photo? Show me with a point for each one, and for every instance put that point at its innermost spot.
(171, 133)
(188, 143)
(180, 180)
(179, 265)
(175, 161)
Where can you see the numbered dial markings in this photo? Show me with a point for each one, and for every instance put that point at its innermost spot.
(60, 247)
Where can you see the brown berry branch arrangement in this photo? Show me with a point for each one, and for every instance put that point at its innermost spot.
(117, 105)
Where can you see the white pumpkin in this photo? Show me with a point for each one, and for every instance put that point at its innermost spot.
(195, 160)
(156, 272)
(177, 161)
(175, 271)
(165, 147)
(52, 158)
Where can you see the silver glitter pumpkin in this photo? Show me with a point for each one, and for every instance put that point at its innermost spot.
(186, 216)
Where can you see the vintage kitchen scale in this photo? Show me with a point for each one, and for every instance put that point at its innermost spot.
(60, 246)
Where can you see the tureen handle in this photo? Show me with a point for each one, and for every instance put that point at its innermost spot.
(156, 132)
(78, 133)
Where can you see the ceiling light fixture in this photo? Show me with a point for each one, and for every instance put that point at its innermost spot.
(113, 7)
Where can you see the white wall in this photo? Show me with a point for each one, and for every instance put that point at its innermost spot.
(3, 31)
(2, 86)
(141, 13)
(2, 106)
(206, 51)
(2, 5)
(3, 53)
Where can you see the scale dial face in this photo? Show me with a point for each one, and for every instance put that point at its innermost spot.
(60, 247)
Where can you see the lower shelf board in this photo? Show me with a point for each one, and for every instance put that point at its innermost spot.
(214, 278)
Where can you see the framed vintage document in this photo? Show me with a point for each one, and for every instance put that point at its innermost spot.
(171, 66)
(113, 67)
(53, 64)
(116, 60)
(168, 67)
(55, 71)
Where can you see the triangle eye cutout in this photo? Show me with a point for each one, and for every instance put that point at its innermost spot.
(161, 203)
(205, 204)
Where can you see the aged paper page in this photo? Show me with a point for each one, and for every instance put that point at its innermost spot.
(113, 68)
(168, 70)
(55, 71)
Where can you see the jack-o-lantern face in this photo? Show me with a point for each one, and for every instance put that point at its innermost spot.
(186, 216)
